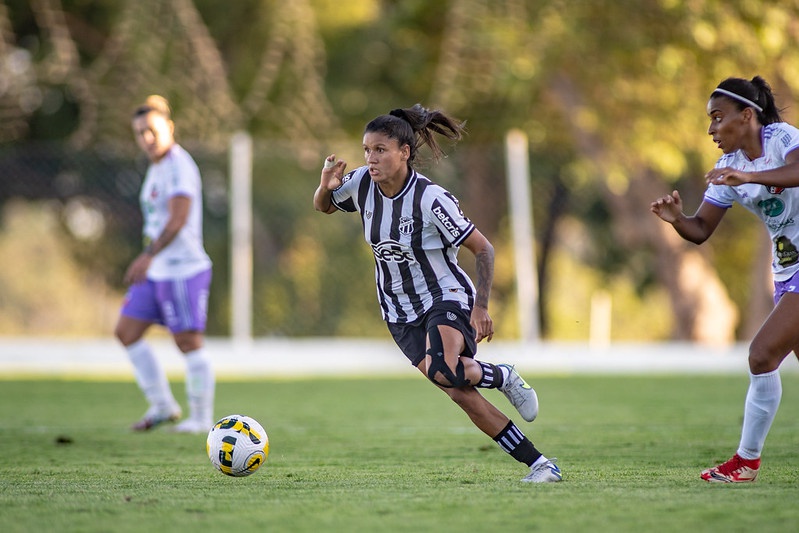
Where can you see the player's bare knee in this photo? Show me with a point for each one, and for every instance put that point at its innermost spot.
(763, 359)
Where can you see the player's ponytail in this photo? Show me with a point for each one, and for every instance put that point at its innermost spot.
(770, 112)
(415, 127)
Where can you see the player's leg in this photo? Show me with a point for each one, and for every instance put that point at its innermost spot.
(184, 303)
(138, 314)
(778, 335)
(454, 374)
(505, 378)
(482, 374)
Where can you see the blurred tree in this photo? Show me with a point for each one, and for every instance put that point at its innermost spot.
(610, 93)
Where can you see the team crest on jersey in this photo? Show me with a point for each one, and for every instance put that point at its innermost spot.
(368, 214)
(406, 225)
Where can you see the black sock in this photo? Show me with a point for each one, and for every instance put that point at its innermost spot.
(513, 441)
(492, 376)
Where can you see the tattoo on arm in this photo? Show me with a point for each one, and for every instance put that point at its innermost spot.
(485, 276)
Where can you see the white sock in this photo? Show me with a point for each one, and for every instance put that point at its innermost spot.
(540, 460)
(762, 402)
(150, 376)
(200, 384)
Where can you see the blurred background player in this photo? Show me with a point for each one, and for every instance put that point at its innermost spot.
(170, 278)
(759, 165)
(433, 310)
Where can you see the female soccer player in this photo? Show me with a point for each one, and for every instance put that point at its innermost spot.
(433, 310)
(759, 164)
(169, 280)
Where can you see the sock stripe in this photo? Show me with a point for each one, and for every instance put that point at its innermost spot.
(510, 437)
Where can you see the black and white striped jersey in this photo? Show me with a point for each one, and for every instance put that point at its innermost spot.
(415, 238)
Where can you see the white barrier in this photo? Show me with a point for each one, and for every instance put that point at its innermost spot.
(97, 358)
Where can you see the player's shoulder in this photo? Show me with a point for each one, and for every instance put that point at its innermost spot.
(353, 177)
(783, 132)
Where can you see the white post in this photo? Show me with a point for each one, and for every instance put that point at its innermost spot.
(241, 237)
(601, 313)
(521, 220)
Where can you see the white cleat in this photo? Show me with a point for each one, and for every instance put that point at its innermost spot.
(154, 417)
(521, 395)
(544, 471)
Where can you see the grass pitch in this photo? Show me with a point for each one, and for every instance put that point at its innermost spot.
(395, 454)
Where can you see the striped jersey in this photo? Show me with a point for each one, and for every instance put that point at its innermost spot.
(777, 207)
(415, 237)
(176, 174)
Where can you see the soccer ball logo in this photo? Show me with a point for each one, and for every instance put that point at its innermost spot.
(237, 445)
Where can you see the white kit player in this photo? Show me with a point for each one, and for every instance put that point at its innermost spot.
(170, 279)
(759, 165)
(434, 312)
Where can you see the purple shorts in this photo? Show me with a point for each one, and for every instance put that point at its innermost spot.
(180, 304)
(789, 285)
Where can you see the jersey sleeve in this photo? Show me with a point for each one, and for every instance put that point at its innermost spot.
(448, 218)
(788, 137)
(720, 195)
(344, 198)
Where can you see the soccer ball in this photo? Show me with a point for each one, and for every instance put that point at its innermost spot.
(237, 445)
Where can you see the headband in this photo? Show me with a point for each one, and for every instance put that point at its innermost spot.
(738, 97)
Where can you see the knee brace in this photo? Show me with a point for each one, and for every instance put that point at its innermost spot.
(438, 364)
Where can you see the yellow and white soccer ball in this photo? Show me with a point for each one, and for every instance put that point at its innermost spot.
(237, 445)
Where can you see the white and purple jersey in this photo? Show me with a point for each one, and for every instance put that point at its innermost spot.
(777, 207)
(415, 238)
(176, 174)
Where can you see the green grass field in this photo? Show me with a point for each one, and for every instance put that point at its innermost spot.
(394, 454)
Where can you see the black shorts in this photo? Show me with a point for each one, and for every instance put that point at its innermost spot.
(412, 338)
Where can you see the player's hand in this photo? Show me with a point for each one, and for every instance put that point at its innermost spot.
(668, 208)
(727, 176)
(332, 172)
(482, 324)
(137, 271)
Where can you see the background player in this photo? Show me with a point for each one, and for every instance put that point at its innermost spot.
(169, 280)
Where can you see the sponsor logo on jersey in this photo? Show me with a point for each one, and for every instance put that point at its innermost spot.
(445, 220)
(774, 190)
(393, 252)
(786, 251)
(771, 207)
(778, 226)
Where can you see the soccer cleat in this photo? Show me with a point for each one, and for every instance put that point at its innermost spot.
(521, 395)
(545, 471)
(736, 470)
(191, 425)
(155, 417)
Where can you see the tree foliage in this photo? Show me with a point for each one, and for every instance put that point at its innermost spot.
(610, 93)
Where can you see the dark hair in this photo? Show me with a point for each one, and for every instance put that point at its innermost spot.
(415, 127)
(756, 91)
(154, 103)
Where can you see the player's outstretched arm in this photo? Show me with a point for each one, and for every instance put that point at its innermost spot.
(696, 228)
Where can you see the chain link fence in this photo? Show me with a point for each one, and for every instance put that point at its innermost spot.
(70, 224)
